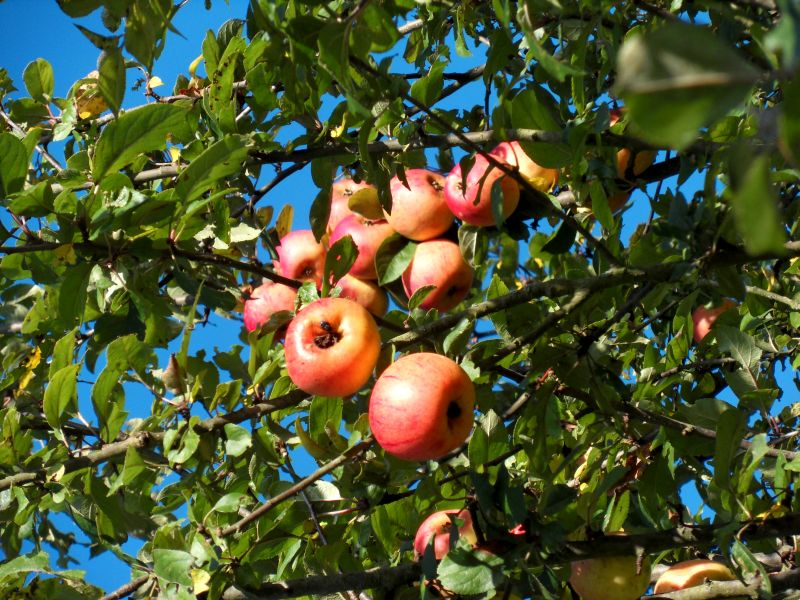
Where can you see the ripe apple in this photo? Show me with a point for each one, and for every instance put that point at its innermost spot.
(641, 160)
(419, 211)
(368, 237)
(703, 318)
(366, 293)
(539, 177)
(266, 300)
(610, 578)
(440, 263)
(421, 407)
(473, 203)
(332, 345)
(691, 573)
(438, 526)
(341, 191)
(301, 256)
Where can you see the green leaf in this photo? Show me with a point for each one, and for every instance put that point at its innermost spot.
(393, 257)
(13, 164)
(468, 573)
(111, 82)
(33, 563)
(755, 206)
(730, 430)
(427, 89)
(72, 295)
(39, 81)
(741, 346)
(79, 8)
(680, 78)
(237, 439)
(561, 241)
(222, 159)
(145, 25)
(365, 202)
(61, 394)
(340, 257)
(140, 130)
(173, 565)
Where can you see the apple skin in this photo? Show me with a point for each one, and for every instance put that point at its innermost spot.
(539, 177)
(422, 407)
(438, 525)
(440, 263)
(474, 208)
(265, 301)
(368, 237)
(301, 256)
(691, 573)
(332, 345)
(419, 211)
(703, 318)
(610, 578)
(340, 196)
(366, 293)
(641, 160)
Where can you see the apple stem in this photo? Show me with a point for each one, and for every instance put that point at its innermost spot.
(453, 411)
(327, 339)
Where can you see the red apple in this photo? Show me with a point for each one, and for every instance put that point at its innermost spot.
(341, 191)
(366, 293)
(368, 237)
(703, 318)
(332, 346)
(301, 256)
(641, 160)
(473, 203)
(419, 211)
(421, 407)
(691, 573)
(440, 263)
(438, 526)
(266, 300)
(539, 177)
(610, 578)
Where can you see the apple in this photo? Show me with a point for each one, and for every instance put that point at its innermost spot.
(368, 237)
(341, 191)
(332, 345)
(438, 526)
(703, 318)
(266, 300)
(421, 407)
(641, 160)
(366, 293)
(440, 263)
(419, 211)
(301, 256)
(473, 203)
(539, 177)
(691, 573)
(610, 578)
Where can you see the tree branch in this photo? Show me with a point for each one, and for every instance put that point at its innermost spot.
(127, 589)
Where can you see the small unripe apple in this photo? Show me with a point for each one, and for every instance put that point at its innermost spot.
(438, 526)
(703, 318)
(419, 211)
(332, 345)
(440, 263)
(266, 300)
(422, 406)
(367, 236)
(366, 293)
(691, 573)
(301, 256)
(472, 203)
(610, 578)
(341, 192)
(541, 178)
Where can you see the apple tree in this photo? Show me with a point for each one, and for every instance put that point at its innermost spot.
(621, 420)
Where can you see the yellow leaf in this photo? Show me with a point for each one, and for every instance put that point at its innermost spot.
(200, 579)
(66, 254)
(29, 363)
(195, 63)
(154, 82)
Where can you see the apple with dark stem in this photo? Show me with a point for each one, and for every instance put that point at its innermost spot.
(332, 345)
(471, 200)
(439, 263)
(301, 256)
(422, 406)
(419, 211)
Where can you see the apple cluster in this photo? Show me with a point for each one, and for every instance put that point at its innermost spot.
(421, 406)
